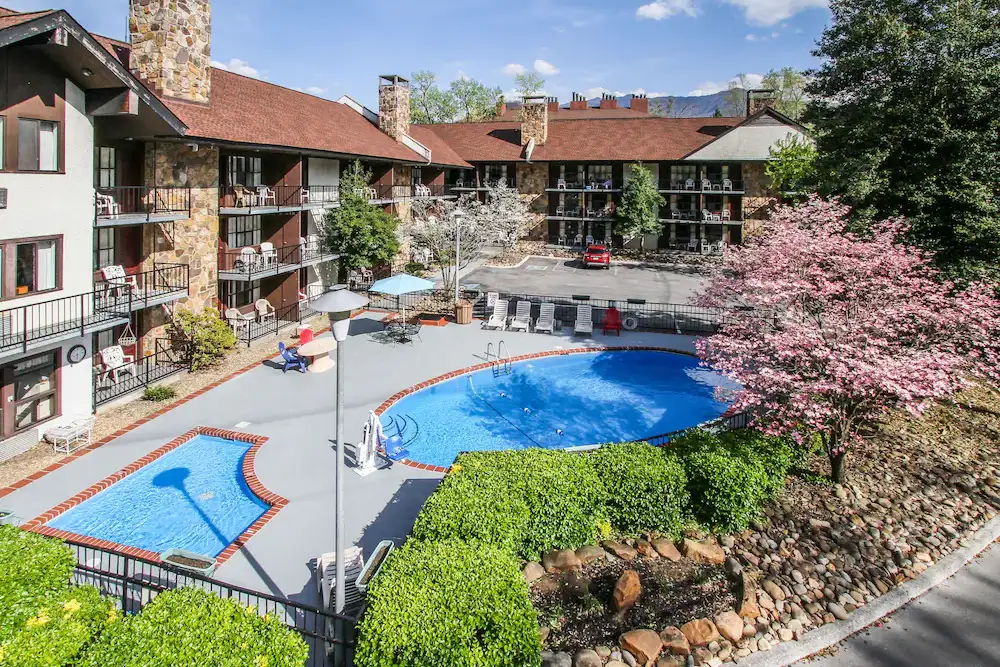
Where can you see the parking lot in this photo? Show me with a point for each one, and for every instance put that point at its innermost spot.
(565, 277)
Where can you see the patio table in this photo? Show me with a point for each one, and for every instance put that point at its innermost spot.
(319, 349)
(403, 330)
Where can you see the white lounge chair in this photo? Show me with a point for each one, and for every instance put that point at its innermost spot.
(546, 318)
(498, 320)
(118, 281)
(584, 320)
(116, 361)
(522, 316)
(326, 577)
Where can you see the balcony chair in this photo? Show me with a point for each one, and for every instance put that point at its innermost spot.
(353, 280)
(265, 311)
(689, 184)
(238, 321)
(244, 198)
(590, 239)
(561, 211)
(248, 262)
(727, 185)
(118, 281)
(692, 244)
(107, 205)
(303, 196)
(367, 276)
(268, 255)
(115, 362)
(421, 190)
(459, 183)
(291, 358)
(578, 240)
(706, 247)
(706, 184)
(265, 194)
(561, 184)
(725, 215)
(607, 184)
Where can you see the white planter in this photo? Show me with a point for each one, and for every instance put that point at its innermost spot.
(206, 570)
(6, 517)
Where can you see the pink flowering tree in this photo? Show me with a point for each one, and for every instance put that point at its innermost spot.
(827, 330)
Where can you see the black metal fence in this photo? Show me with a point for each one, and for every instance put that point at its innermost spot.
(247, 331)
(135, 582)
(169, 358)
(734, 422)
(140, 202)
(436, 301)
(136, 290)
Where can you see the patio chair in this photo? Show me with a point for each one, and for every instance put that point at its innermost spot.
(238, 320)
(727, 185)
(546, 318)
(367, 276)
(249, 260)
(522, 317)
(561, 184)
(353, 279)
(244, 197)
(265, 311)
(116, 362)
(560, 211)
(291, 358)
(107, 205)
(706, 247)
(706, 184)
(689, 184)
(312, 244)
(266, 194)
(692, 244)
(612, 321)
(118, 281)
(578, 240)
(584, 320)
(268, 255)
(498, 320)
(590, 239)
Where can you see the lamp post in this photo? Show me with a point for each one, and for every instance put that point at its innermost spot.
(338, 304)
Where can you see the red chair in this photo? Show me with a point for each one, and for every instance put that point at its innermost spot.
(613, 321)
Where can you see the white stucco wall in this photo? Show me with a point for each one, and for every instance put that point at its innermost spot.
(746, 143)
(323, 171)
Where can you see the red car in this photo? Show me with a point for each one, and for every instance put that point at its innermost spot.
(597, 255)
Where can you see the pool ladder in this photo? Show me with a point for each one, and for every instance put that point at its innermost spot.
(498, 359)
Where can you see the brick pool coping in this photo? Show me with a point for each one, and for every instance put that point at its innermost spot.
(489, 364)
(276, 502)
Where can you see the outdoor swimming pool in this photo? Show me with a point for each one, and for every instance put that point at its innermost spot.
(555, 402)
(193, 497)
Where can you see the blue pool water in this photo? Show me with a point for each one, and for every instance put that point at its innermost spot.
(193, 497)
(556, 402)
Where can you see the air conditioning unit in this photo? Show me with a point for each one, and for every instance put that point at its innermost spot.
(3, 197)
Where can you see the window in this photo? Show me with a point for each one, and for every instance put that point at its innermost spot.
(37, 145)
(104, 248)
(417, 176)
(244, 231)
(599, 173)
(243, 170)
(33, 388)
(494, 172)
(106, 159)
(237, 293)
(34, 266)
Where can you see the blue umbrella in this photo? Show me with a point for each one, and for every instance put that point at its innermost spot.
(401, 283)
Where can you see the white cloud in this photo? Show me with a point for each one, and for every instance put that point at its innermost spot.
(315, 90)
(770, 12)
(712, 87)
(751, 37)
(546, 68)
(661, 9)
(596, 91)
(238, 66)
(513, 69)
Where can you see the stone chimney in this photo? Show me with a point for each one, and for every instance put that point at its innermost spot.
(609, 101)
(759, 99)
(171, 46)
(552, 103)
(394, 106)
(534, 120)
(578, 103)
(640, 103)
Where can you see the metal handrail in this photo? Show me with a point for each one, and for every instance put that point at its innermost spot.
(111, 203)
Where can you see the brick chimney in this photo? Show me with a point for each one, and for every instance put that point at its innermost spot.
(171, 46)
(394, 106)
(534, 120)
(761, 98)
(640, 103)
(609, 101)
(578, 103)
(552, 103)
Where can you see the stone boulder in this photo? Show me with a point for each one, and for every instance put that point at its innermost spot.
(627, 591)
(587, 658)
(589, 554)
(552, 659)
(562, 560)
(700, 632)
(729, 625)
(623, 551)
(706, 551)
(646, 549)
(533, 571)
(666, 548)
(645, 645)
(674, 641)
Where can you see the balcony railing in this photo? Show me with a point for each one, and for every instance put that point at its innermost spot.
(711, 216)
(21, 327)
(171, 357)
(252, 262)
(481, 184)
(703, 185)
(263, 198)
(127, 204)
(248, 331)
(162, 284)
(582, 213)
(585, 186)
(321, 195)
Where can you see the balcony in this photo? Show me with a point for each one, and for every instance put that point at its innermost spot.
(576, 213)
(140, 204)
(722, 186)
(263, 199)
(29, 327)
(256, 262)
(164, 283)
(472, 186)
(707, 217)
(562, 185)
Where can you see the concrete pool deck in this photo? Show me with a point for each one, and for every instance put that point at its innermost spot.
(296, 413)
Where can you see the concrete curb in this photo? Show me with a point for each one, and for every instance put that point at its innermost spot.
(788, 653)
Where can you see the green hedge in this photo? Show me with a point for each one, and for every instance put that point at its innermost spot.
(445, 604)
(525, 501)
(189, 627)
(731, 475)
(645, 487)
(32, 569)
(57, 631)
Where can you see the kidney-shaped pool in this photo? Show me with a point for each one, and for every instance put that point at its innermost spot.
(565, 400)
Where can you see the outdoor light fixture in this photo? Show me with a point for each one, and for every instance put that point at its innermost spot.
(86, 71)
(339, 303)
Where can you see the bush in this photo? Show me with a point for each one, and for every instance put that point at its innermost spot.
(57, 631)
(158, 392)
(33, 569)
(645, 487)
(211, 337)
(414, 268)
(731, 475)
(188, 627)
(525, 501)
(448, 603)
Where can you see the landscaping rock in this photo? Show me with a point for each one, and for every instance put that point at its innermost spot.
(666, 548)
(700, 632)
(707, 551)
(551, 659)
(587, 658)
(627, 591)
(729, 625)
(702, 656)
(646, 549)
(629, 659)
(674, 641)
(616, 663)
(670, 661)
(623, 551)
(562, 560)
(645, 645)
(838, 611)
(589, 554)
(733, 567)
(773, 590)
(575, 584)
(533, 571)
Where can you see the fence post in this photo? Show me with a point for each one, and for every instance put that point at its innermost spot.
(83, 312)
(125, 586)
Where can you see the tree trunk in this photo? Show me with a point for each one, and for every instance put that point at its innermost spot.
(838, 467)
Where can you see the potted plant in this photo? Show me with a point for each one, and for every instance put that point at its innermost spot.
(189, 561)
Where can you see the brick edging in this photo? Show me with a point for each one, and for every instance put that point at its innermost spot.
(276, 502)
(523, 357)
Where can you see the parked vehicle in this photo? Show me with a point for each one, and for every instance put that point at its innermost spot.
(597, 255)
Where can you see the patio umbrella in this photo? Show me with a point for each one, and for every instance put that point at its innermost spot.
(401, 283)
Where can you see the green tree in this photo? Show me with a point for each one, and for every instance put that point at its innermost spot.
(906, 118)
(428, 103)
(718, 113)
(638, 214)
(475, 101)
(792, 167)
(735, 103)
(789, 85)
(363, 234)
(528, 84)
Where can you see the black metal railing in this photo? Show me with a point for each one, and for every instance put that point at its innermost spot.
(255, 260)
(585, 186)
(257, 326)
(257, 198)
(665, 317)
(134, 582)
(735, 422)
(600, 212)
(169, 358)
(703, 185)
(435, 301)
(137, 290)
(22, 326)
(140, 203)
(320, 194)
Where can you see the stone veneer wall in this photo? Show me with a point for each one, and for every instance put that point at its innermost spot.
(534, 123)
(171, 46)
(532, 179)
(194, 241)
(394, 109)
(759, 196)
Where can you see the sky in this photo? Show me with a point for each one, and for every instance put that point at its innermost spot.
(335, 47)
